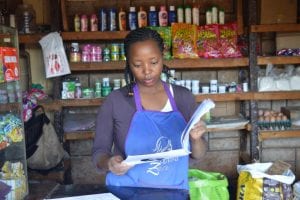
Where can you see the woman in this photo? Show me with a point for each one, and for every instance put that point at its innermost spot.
(147, 116)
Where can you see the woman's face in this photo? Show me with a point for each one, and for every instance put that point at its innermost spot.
(146, 62)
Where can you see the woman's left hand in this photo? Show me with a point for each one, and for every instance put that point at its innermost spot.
(198, 130)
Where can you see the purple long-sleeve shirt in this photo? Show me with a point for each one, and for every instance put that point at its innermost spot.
(114, 118)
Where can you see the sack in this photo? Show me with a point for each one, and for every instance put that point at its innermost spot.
(207, 185)
(254, 183)
(48, 150)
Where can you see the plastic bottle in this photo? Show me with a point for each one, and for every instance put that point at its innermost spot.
(112, 19)
(188, 14)
(163, 16)
(208, 16)
(78, 91)
(132, 18)
(122, 20)
(94, 22)
(214, 15)
(142, 18)
(172, 15)
(84, 23)
(221, 16)
(153, 20)
(195, 13)
(26, 18)
(180, 15)
(102, 20)
(77, 23)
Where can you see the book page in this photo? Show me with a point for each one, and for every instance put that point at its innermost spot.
(103, 196)
(203, 108)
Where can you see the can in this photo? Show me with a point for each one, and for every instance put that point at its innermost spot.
(102, 20)
(114, 56)
(114, 48)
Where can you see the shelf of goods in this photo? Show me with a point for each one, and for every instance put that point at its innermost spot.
(13, 165)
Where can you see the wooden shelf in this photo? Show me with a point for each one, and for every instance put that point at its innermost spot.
(276, 95)
(264, 135)
(225, 97)
(275, 28)
(278, 60)
(31, 38)
(198, 63)
(10, 107)
(95, 35)
(79, 135)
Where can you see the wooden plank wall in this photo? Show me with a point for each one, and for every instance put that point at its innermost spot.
(90, 7)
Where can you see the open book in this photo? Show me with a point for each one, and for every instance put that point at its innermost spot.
(203, 108)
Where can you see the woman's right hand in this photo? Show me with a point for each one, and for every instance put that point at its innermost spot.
(116, 166)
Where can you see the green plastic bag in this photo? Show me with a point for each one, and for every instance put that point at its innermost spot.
(207, 185)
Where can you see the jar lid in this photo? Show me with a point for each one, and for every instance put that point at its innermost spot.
(152, 8)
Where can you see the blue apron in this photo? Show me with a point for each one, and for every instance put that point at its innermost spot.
(154, 132)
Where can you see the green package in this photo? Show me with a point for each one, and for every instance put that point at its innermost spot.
(165, 33)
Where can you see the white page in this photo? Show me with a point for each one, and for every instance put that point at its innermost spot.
(103, 196)
(203, 108)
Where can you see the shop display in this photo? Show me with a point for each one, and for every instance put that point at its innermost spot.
(13, 168)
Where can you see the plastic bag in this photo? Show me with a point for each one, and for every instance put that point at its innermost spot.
(254, 183)
(55, 59)
(207, 185)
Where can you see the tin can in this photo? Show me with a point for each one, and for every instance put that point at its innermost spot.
(114, 48)
(105, 91)
(103, 19)
(115, 56)
(112, 19)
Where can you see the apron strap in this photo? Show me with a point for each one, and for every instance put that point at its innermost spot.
(138, 102)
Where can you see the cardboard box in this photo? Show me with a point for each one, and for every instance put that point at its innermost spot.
(278, 11)
(287, 40)
(292, 112)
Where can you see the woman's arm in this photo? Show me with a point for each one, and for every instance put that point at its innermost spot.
(198, 143)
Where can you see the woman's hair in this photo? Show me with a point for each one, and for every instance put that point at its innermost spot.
(140, 35)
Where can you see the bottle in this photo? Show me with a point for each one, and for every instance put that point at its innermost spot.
(122, 20)
(214, 15)
(180, 15)
(132, 18)
(78, 91)
(153, 20)
(188, 14)
(208, 16)
(102, 20)
(84, 23)
(142, 18)
(77, 23)
(94, 22)
(172, 15)
(221, 16)
(163, 16)
(26, 18)
(112, 19)
(195, 13)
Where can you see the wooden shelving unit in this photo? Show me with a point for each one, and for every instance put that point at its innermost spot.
(264, 135)
(95, 35)
(10, 107)
(31, 38)
(275, 28)
(278, 60)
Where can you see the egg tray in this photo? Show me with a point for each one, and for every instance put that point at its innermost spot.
(277, 126)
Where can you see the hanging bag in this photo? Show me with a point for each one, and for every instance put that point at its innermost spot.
(44, 149)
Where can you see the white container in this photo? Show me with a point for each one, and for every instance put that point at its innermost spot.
(205, 89)
(245, 87)
(195, 90)
(222, 89)
(213, 86)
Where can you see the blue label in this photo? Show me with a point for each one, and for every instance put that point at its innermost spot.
(103, 20)
(132, 21)
(172, 17)
(153, 18)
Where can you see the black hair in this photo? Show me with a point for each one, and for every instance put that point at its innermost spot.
(139, 35)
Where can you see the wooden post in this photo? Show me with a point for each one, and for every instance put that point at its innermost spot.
(253, 73)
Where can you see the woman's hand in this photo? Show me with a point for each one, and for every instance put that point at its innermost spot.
(198, 130)
(116, 166)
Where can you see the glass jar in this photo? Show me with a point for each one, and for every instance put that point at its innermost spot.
(26, 18)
